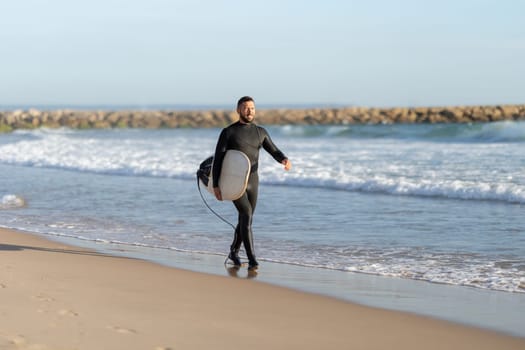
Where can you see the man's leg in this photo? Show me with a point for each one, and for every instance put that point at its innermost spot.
(235, 247)
(246, 206)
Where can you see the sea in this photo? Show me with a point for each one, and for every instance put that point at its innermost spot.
(432, 204)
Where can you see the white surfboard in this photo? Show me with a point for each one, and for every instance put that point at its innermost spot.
(234, 175)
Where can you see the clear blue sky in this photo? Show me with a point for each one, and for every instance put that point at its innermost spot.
(369, 53)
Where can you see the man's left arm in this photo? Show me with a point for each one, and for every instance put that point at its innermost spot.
(275, 152)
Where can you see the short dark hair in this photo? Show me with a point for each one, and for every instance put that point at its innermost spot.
(244, 99)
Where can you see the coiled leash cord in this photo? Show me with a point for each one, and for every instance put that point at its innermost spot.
(208, 206)
(214, 212)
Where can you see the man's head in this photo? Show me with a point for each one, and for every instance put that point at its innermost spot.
(246, 109)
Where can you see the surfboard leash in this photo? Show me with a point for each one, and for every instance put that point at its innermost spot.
(216, 214)
(210, 208)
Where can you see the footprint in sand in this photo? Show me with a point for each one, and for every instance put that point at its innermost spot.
(65, 312)
(122, 330)
(42, 297)
(18, 342)
(11, 342)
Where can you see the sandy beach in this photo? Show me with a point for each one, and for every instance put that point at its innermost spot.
(56, 296)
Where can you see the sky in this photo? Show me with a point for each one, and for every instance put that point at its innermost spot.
(375, 53)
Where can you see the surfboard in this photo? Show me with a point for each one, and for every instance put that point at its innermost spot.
(234, 175)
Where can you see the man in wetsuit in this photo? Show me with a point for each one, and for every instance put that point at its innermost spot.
(248, 138)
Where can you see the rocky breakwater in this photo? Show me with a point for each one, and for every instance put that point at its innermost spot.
(81, 119)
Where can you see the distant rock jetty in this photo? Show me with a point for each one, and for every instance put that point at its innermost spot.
(81, 119)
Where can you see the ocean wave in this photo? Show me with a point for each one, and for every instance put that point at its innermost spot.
(402, 168)
(44, 131)
(505, 131)
(456, 189)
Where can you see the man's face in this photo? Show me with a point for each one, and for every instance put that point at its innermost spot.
(246, 111)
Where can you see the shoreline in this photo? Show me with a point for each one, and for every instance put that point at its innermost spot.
(501, 311)
(153, 119)
(60, 296)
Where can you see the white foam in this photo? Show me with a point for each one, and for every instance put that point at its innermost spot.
(467, 190)
(461, 270)
(459, 171)
(106, 155)
(12, 201)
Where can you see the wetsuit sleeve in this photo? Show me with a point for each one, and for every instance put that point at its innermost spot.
(270, 147)
(220, 152)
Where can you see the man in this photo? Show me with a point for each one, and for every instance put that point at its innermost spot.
(248, 138)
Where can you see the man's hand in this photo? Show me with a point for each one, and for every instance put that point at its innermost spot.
(287, 164)
(218, 193)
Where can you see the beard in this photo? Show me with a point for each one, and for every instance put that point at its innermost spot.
(246, 119)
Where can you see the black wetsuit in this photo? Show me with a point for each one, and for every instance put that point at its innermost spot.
(247, 138)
